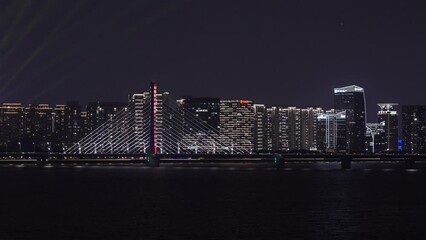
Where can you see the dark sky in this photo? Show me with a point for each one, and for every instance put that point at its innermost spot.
(274, 52)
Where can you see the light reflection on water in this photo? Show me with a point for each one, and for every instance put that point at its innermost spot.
(307, 201)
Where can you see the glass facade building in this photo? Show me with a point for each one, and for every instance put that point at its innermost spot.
(388, 117)
(352, 100)
(414, 129)
(331, 131)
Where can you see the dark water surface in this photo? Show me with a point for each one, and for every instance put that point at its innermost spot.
(131, 202)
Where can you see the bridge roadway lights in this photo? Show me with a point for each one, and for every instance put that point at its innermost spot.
(279, 160)
(409, 163)
(346, 162)
(153, 160)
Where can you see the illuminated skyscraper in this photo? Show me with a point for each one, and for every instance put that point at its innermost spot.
(273, 128)
(164, 118)
(414, 129)
(237, 123)
(389, 117)
(294, 126)
(100, 112)
(376, 137)
(291, 128)
(205, 109)
(352, 100)
(260, 131)
(59, 129)
(73, 123)
(282, 129)
(11, 126)
(38, 127)
(308, 128)
(331, 131)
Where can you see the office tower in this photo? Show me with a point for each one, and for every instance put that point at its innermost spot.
(38, 136)
(59, 129)
(352, 100)
(260, 128)
(99, 112)
(376, 137)
(205, 109)
(237, 123)
(199, 120)
(414, 129)
(73, 123)
(84, 123)
(308, 128)
(389, 117)
(11, 127)
(331, 131)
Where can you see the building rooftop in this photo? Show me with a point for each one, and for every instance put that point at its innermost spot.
(352, 88)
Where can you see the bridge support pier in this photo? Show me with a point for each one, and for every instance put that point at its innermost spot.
(279, 160)
(153, 160)
(346, 162)
(409, 163)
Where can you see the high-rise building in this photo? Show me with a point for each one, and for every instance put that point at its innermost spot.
(331, 131)
(291, 128)
(352, 100)
(140, 103)
(73, 123)
(308, 128)
(278, 129)
(84, 123)
(260, 130)
(59, 129)
(376, 137)
(100, 112)
(205, 109)
(199, 120)
(389, 116)
(165, 120)
(294, 127)
(414, 129)
(237, 123)
(273, 129)
(11, 126)
(38, 135)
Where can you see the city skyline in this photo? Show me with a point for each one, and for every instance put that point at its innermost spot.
(371, 108)
(239, 124)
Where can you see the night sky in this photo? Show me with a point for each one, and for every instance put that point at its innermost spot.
(273, 52)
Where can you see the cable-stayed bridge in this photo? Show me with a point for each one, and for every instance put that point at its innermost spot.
(152, 123)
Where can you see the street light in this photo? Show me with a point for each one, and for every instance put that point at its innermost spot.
(33, 147)
(20, 148)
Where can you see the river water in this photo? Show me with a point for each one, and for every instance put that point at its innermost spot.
(222, 202)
